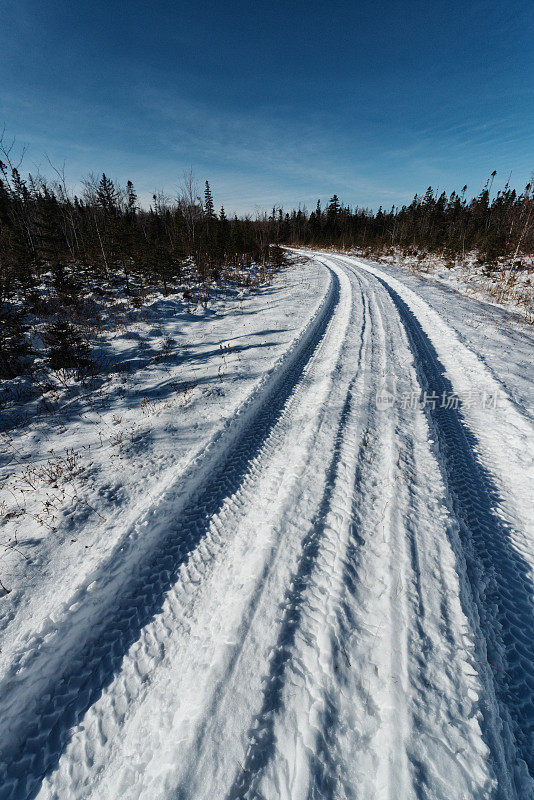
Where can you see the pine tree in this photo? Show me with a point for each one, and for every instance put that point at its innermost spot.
(131, 198)
(209, 209)
(209, 254)
(67, 349)
(333, 206)
(223, 233)
(14, 347)
(108, 200)
(51, 245)
(107, 195)
(278, 256)
(127, 237)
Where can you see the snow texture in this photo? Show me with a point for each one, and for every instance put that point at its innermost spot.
(314, 578)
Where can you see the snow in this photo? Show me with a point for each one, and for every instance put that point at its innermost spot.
(139, 443)
(278, 587)
(503, 285)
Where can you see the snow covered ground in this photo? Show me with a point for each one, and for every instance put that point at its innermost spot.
(504, 285)
(297, 558)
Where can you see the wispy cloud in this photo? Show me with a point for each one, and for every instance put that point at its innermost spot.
(261, 156)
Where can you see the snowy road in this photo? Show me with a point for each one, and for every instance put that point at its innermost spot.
(343, 606)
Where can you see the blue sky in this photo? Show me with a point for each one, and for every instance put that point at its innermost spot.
(274, 102)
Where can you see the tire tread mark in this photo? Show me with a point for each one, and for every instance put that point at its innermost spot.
(499, 577)
(94, 665)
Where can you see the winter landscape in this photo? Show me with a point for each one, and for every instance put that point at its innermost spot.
(266, 460)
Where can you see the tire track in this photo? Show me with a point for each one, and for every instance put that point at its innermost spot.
(178, 556)
(316, 556)
(393, 620)
(498, 598)
(225, 718)
(350, 685)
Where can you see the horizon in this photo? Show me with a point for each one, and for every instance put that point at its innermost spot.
(399, 99)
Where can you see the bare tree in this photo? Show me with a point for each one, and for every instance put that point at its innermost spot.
(191, 206)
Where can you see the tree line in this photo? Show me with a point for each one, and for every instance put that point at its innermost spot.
(497, 227)
(56, 249)
(105, 234)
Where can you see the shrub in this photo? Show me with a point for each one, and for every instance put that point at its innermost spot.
(66, 346)
(14, 346)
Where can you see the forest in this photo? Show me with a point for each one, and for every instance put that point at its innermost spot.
(497, 226)
(64, 258)
(58, 251)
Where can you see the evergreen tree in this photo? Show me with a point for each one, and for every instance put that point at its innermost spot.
(223, 234)
(14, 346)
(66, 347)
(51, 244)
(333, 206)
(277, 256)
(209, 209)
(131, 198)
(107, 195)
(128, 245)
